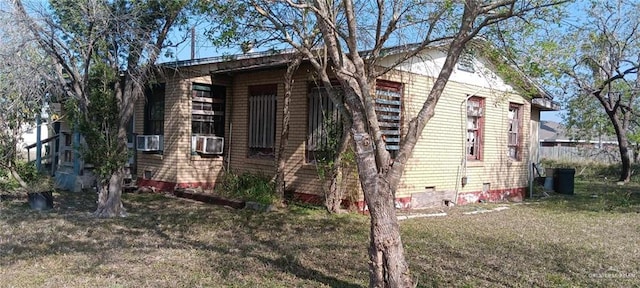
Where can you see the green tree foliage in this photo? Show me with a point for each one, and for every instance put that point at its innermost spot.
(96, 44)
(346, 41)
(593, 60)
(99, 125)
(24, 90)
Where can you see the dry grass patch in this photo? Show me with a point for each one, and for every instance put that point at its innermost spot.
(168, 242)
(562, 241)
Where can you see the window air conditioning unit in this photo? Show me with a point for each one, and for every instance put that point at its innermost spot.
(209, 144)
(149, 142)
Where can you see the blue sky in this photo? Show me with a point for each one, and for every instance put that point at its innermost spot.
(204, 48)
(555, 116)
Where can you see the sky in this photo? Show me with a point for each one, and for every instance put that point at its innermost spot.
(203, 48)
(555, 116)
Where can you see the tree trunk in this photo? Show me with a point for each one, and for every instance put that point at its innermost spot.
(17, 177)
(281, 160)
(386, 253)
(623, 146)
(387, 264)
(334, 193)
(110, 190)
(109, 196)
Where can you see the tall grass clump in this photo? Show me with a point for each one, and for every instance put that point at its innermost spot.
(593, 171)
(248, 187)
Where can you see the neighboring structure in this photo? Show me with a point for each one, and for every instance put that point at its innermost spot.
(555, 144)
(60, 153)
(224, 114)
(30, 136)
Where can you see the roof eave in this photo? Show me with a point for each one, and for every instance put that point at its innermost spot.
(545, 104)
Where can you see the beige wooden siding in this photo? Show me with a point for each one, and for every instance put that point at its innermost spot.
(438, 157)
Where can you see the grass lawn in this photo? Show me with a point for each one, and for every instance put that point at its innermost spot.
(586, 240)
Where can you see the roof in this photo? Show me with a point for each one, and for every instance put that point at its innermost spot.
(550, 131)
(555, 132)
(279, 58)
(228, 58)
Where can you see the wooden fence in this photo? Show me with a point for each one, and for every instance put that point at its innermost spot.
(607, 154)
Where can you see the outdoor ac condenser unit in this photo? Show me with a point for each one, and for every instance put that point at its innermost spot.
(209, 144)
(149, 142)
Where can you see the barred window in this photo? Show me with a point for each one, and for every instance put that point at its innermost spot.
(262, 121)
(389, 111)
(324, 124)
(208, 109)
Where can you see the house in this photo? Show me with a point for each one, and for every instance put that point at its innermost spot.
(212, 115)
(29, 136)
(556, 144)
(60, 154)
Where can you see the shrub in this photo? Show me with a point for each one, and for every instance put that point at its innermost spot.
(7, 183)
(248, 187)
(29, 174)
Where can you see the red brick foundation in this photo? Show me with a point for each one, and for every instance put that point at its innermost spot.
(498, 195)
(403, 203)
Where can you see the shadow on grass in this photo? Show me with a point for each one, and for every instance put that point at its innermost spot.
(520, 248)
(279, 240)
(596, 197)
(485, 264)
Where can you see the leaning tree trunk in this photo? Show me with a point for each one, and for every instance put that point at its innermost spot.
(281, 160)
(335, 187)
(387, 265)
(17, 177)
(623, 147)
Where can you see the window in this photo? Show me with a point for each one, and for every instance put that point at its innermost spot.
(67, 148)
(324, 124)
(207, 111)
(389, 108)
(262, 121)
(154, 110)
(68, 156)
(465, 63)
(513, 131)
(68, 141)
(475, 125)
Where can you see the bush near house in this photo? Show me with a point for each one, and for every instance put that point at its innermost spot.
(247, 187)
